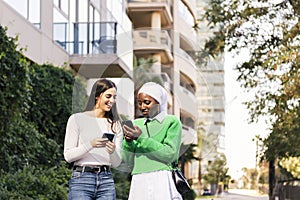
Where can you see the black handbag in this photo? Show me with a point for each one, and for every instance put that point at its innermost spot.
(180, 181)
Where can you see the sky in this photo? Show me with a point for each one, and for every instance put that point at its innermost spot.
(239, 134)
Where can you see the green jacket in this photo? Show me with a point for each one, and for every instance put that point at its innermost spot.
(148, 154)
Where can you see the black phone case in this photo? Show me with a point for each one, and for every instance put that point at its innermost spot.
(110, 136)
(128, 123)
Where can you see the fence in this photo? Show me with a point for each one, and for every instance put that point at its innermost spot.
(287, 190)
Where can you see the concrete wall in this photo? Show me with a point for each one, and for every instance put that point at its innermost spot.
(39, 45)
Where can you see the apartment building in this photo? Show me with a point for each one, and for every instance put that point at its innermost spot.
(93, 37)
(210, 97)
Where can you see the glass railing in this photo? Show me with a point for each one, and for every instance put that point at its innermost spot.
(187, 56)
(189, 134)
(37, 25)
(88, 38)
(188, 91)
(69, 47)
(29, 9)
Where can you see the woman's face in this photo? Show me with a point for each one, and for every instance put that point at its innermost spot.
(106, 99)
(145, 103)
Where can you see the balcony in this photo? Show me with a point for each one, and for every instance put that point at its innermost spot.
(92, 48)
(88, 37)
(153, 41)
(187, 100)
(141, 11)
(186, 64)
(189, 135)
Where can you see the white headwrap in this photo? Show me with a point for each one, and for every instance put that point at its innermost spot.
(157, 92)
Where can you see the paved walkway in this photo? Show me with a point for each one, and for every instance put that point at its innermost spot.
(238, 194)
(245, 192)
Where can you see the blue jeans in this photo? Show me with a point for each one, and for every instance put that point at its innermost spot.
(92, 186)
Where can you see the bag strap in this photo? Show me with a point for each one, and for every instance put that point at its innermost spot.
(174, 164)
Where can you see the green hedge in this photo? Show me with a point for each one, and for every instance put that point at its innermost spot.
(51, 100)
(14, 90)
(35, 103)
(32, 182)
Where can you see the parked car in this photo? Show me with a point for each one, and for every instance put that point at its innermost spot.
(206, 192)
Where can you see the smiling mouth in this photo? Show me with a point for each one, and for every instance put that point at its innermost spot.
(109, 105)
(144, 111)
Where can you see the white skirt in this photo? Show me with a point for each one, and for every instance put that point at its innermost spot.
(157, 185)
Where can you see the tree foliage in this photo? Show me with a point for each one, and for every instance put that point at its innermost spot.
(216, 171)
(143, 72)
(269, 32)
(36, 102)
(13, 86)
(51, 100)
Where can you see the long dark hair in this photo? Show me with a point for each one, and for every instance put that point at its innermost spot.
(98, 88)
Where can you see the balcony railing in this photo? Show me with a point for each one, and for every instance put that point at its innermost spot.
(152, 38)
(189, 135)
(69, 46)
(187, 56)
(88, 37)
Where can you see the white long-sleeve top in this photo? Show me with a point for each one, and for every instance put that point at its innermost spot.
(80, 131)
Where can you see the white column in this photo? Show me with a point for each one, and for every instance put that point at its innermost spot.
(46, 16)
(155, 20)
(156, 28)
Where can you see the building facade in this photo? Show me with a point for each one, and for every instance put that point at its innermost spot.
(210, 97)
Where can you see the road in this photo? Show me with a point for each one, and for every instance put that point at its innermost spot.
(239, 195)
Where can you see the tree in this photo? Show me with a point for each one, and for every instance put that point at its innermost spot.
(249, 178)
(217, 172)
(269, 30)
(35, 104)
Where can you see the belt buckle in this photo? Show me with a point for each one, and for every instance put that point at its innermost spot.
(98, 169)
(105, 168)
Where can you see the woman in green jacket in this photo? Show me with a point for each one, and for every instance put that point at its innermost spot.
(151, 147)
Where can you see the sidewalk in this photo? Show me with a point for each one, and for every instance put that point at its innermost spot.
(245, 192)
(236, 194)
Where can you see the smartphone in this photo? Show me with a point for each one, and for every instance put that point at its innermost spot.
(110, 136)
(128, 123)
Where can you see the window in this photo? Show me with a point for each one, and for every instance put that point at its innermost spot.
(29, 9)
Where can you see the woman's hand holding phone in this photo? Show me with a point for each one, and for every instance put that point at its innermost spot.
(131, 132)
(109, 136)
(103, 142)
(99, 142)
(109, 145)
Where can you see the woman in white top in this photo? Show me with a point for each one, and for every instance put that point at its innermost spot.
(91, 151)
